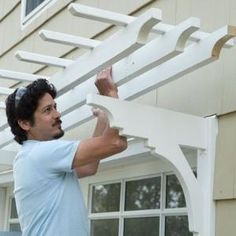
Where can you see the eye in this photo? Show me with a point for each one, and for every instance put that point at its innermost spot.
(47, 110)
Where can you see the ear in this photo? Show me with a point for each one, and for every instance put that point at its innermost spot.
(24, 124)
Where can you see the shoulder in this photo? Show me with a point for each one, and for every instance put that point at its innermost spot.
(50, 143)
(45, 148)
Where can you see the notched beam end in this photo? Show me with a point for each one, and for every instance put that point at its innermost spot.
(148, 20)
(19, 55)
(43, 34)
(72, 9)
(226, 33)
(189, 26)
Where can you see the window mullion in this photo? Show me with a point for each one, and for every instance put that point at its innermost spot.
(104, 215)
(122, 208)
(162, 205)
(13, 221)
(175, 211)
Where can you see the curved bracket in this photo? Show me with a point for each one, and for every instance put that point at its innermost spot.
(228, 32)
(148, 20)
(164, 131)
(190, 26)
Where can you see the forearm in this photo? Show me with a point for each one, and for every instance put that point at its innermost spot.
(102, 124)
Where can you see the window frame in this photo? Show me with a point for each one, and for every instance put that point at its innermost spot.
(11, 220)
(8, 201)
(35, 13)
(121, 215)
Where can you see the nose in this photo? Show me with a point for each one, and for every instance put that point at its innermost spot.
(57, 114)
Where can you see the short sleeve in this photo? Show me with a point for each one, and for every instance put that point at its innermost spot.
(56, 155)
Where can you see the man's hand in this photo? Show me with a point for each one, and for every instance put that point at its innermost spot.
(105, 84)
(102, 120)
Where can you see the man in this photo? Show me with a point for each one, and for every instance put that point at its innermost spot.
(48, 197)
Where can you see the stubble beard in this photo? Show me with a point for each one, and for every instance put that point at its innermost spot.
(61, 131)
(59, 135)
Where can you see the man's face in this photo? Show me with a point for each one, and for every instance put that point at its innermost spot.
(47, 123)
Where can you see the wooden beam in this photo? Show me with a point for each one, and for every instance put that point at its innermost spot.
(42, 59)
(4, 120)
(6, 91)
(68, 39)
(110, 17)
(7, 157)
(3, 106)
(6, 137)
(97, 14)
(19, 76)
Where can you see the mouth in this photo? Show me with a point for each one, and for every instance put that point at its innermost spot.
(58, 123)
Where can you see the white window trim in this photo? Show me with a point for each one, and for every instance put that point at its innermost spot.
(8, 220)
(39, 10)
(121, 215)
(9, 195)
(11, 220)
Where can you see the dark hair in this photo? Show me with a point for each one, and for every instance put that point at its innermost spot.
(25, 107)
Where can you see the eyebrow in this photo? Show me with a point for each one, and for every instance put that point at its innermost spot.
(49, 105)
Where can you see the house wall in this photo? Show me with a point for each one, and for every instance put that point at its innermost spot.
(225, 176)
(225, 217)
(209, 90)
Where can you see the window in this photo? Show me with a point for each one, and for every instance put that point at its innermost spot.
(31, 5)
(32, 8)
(153, 206)
(13, 221)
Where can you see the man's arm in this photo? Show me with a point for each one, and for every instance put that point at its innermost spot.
(105, 141)
(102, 124)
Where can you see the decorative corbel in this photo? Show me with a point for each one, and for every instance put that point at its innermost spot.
(164, 131)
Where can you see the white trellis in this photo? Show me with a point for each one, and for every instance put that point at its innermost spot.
(166, 58)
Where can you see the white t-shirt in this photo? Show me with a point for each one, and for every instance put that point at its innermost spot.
(48, 196)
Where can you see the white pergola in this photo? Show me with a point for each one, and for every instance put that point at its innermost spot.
(139, 66)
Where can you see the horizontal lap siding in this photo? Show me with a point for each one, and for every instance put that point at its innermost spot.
(225, 176)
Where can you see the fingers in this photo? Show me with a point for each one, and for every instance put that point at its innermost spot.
(107, 72)
(95, 111)
(105, 84)
(98, 112)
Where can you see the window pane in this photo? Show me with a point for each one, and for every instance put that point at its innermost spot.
(15, 228)
(177, 226)
(31, 5)
(142, 226)
(143, 194)
(109, 227)
(13, 209)
(106, 198)
(174, 193)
